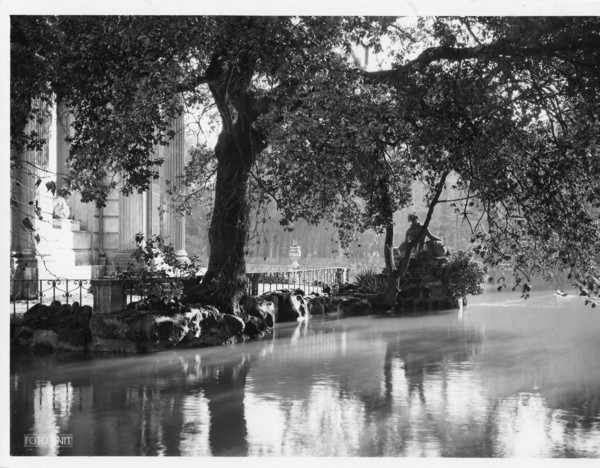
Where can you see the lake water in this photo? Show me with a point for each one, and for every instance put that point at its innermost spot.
(504, 377)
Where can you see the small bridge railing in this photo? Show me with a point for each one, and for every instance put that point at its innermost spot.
(310, 280)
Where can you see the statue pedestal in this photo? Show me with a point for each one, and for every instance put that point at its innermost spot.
(109, 296)
(423, 290)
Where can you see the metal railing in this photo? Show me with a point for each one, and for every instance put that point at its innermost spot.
(26, 292)
(309, 281)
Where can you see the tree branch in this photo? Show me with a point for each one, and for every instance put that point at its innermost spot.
(491, 52)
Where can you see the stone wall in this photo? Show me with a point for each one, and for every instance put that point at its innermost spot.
(422, 289)
(426, 296)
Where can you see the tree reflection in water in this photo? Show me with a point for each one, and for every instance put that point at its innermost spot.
(423, 386)
(147, 405)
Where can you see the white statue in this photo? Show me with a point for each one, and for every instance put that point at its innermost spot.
(61, 207)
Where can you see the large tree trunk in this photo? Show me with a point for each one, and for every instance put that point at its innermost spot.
(225, 281)
(238, 145)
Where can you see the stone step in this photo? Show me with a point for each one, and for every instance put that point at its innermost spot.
(70, 257)
(52, 269)
(83, 257)
(70, 239)
(66, 224)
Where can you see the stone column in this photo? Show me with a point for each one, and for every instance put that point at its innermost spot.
(46, 173)
(172, 225)
(63, 130)
(23, 248)
(132, 220)
(153, 200)
(27, 168)
(22, 192)
(31, 166)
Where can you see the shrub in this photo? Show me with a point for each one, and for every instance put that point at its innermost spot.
(369, 281)
(156, 273)
(461, 275)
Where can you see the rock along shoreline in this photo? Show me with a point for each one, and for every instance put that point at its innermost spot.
(71, 327)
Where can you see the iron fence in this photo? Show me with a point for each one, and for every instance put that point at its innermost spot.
(311, 280)
(24, 293)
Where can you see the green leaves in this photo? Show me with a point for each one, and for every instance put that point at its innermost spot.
(461, 275)
(509, 104)
(156, 273)
(370, 281)
(27, 224)
(51, 187)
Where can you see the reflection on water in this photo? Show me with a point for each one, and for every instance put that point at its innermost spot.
(503, 378)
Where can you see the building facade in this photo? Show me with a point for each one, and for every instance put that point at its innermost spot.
(93, 241)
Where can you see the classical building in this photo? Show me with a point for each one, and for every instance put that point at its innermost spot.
(94, 240)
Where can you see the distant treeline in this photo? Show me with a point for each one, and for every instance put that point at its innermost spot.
(270, 242)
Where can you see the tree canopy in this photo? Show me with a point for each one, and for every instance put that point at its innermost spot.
(509, 104)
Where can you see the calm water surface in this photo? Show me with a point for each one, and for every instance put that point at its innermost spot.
(503, 378)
